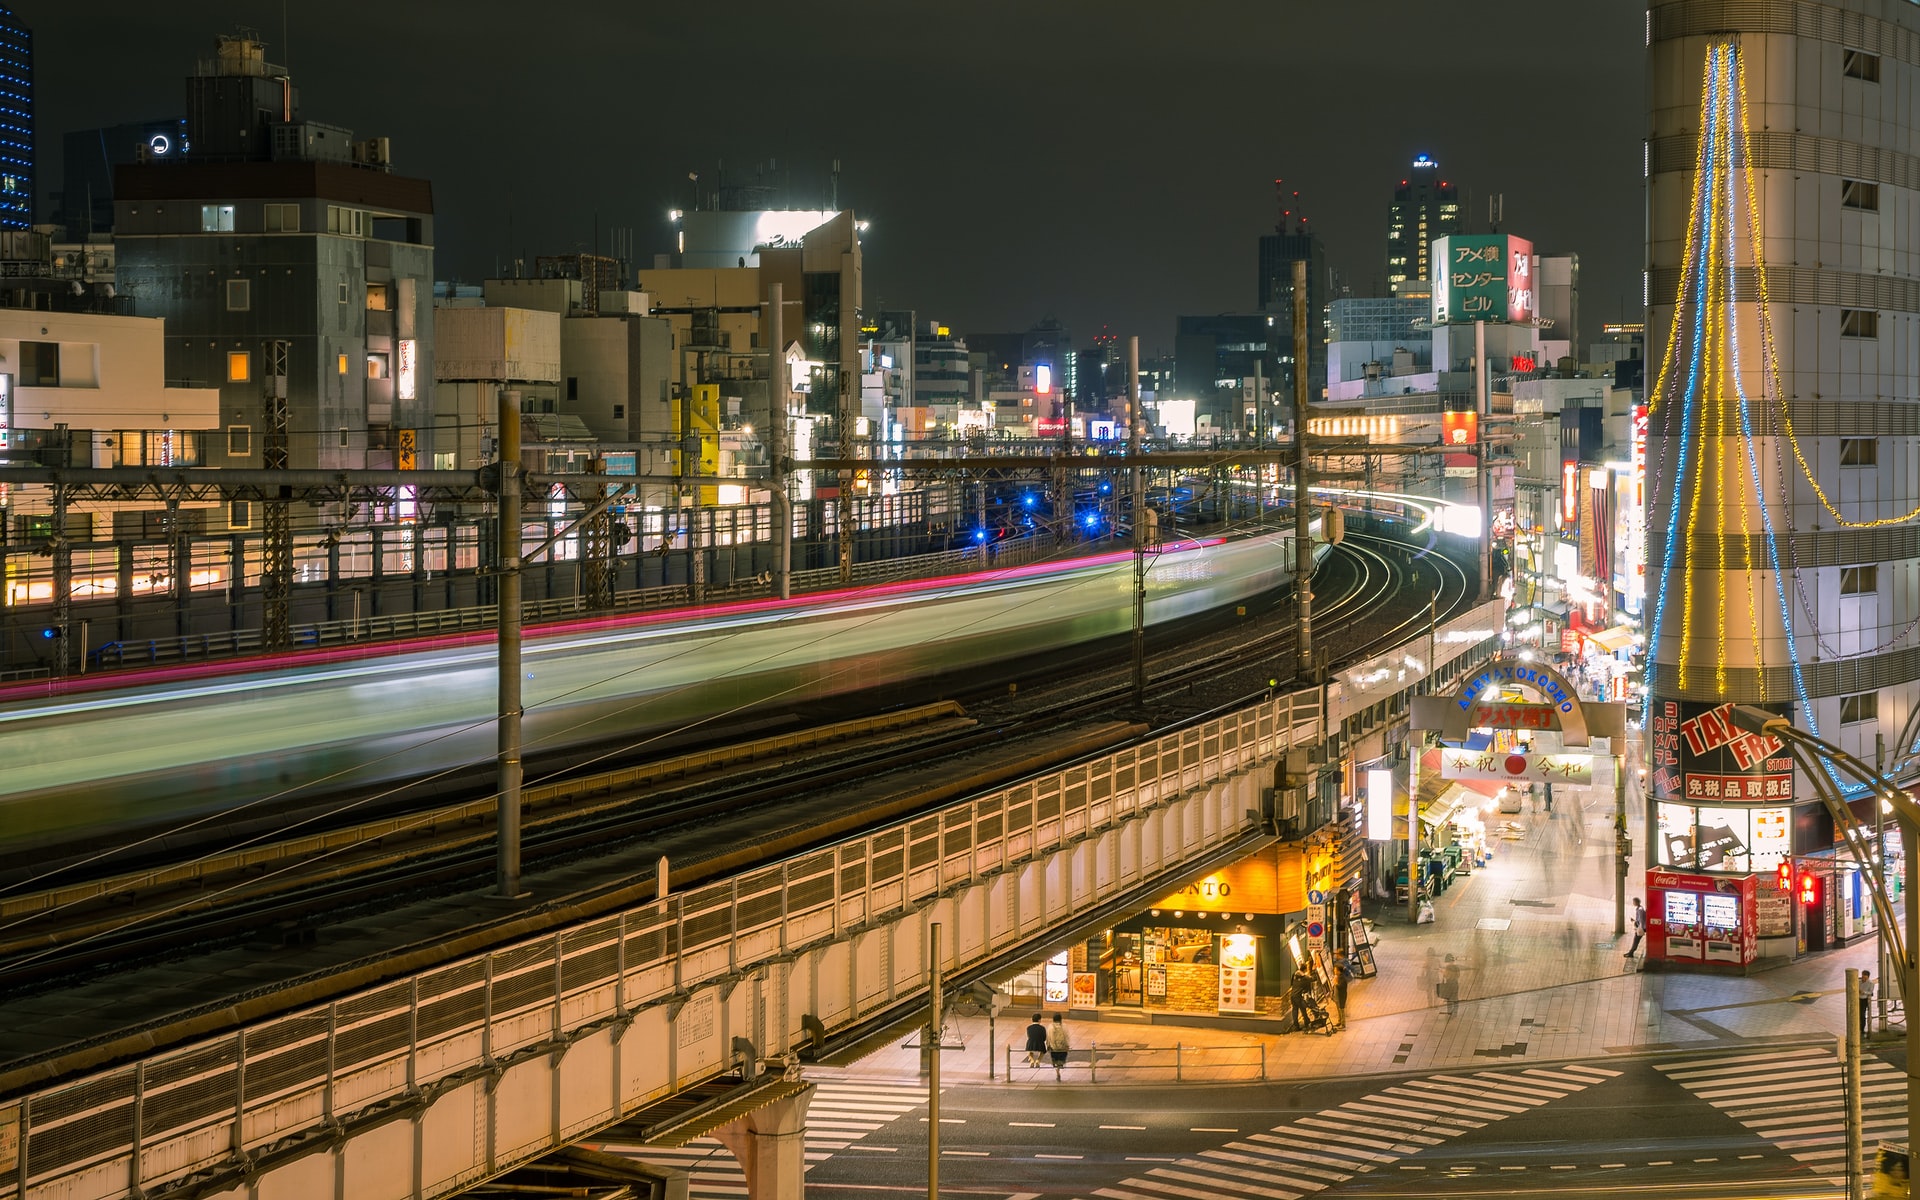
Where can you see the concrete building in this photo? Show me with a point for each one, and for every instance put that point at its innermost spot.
(480, 352)
(1425, 206)
(1227, 365)
(84, 203)
(1291, 243)
(1784, 568)
(278, 231)
(90, 390)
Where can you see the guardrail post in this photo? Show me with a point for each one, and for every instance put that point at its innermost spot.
(1093, 1062)
(1178, 1073)
(1263, 1062)
(139, 1128)
(240, 1092)
(333, 1038)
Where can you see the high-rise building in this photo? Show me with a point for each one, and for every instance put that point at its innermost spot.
(1293, 242)
(1781, 467)
(16, 122)
(1226, 364)
(278, 245)
(1424, 207)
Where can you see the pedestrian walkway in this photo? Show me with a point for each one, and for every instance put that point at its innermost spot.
(1331, 1147)
(1542, 976)
(1795, 1100)
(841, 1113)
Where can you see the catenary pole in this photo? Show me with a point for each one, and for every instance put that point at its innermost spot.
(1302, 531)
(508, 774)
(1140, 523)
(781, 501)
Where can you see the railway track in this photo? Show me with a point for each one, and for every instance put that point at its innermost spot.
(284, 905)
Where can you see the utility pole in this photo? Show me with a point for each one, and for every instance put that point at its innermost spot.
(781, 502)
(276, 521)
(1622, 847)
(1142, 526)
(937, 1022)
(1482, 406)
(1302, 531)
(507, 858)
(1850, 1059)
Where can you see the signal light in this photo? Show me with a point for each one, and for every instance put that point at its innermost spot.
(1807, 890)
(49, 633)
(1785, 876)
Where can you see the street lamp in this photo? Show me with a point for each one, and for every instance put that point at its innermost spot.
(1815, 757)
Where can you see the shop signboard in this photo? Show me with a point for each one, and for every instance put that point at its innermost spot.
(1057, 981)
(1238, 957)
(1157, 981)
(1084, 990)
(1515, 767)
(1515, 716)
(1699, 754)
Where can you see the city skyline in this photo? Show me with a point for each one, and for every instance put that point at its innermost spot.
(1089, 231)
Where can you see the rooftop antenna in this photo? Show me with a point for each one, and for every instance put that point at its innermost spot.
(1496, 211)
(833, 203)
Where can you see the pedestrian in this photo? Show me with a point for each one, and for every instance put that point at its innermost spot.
(1639, 925)
(1058, 1045)
(1036, 1041)
(1342, 976)
(1448, 988)
(1302, 991)
(1866, 1003)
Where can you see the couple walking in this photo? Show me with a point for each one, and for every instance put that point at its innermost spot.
(1051, 1042)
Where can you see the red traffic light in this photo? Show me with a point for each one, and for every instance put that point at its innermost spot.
(1784, 874)
(1808, 892)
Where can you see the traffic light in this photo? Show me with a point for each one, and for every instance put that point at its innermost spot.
(1786, 876)
(1809, 891)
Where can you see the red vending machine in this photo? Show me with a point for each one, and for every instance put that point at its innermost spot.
(1702, 918)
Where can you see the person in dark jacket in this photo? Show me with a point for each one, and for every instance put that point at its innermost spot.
(1036, 1041)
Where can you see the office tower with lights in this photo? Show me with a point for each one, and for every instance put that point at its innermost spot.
(16, 122)
(1425, 206)
(1783, 428)
(1290, 243)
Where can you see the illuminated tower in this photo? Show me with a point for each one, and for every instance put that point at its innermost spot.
(1783, 486)
(16, 122)
(1424, 207)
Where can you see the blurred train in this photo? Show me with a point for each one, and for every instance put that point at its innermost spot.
(109, 757)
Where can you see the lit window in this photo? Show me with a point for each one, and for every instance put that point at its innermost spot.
(343, 358)
(239, 295)
(239, 366)
(377, 366)
(216, 218)
(379, 297)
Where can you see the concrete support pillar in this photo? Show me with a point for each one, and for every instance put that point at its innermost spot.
(770, 1144)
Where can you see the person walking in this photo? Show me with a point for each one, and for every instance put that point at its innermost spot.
(1448, 988)
(1058, 1044)
(1639, 919)
(1866, 1003)
(1302, 990)
(1342, 975)
(1036, 1042)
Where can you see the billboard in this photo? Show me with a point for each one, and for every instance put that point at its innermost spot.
(1459, 428)
(1699, 754)
(1483, 277)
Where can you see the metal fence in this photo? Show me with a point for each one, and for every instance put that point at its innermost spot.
(1129, 1063)
(205, 1106)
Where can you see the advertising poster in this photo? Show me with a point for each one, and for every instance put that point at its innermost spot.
(1700, 755)
(1237, 961)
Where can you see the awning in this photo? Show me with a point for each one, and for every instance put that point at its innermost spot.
(1613, 640)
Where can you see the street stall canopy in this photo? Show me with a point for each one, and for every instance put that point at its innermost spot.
(1613, 640)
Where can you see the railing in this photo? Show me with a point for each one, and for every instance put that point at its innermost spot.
(204, 1106)
(356, 630)
(1148, 1064)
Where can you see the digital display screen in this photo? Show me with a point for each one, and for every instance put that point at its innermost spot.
(1683, 908)
(1720, 911)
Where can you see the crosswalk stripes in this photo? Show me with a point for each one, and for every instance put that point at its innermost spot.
(840, 1114)
(1332, 1146)
(1795, 1100)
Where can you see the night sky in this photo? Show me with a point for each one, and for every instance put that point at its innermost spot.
(1108, 164)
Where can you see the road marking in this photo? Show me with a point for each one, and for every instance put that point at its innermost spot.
(964, 1153)
(1667, 1162)
(1210, 1129)
(947, 1120)
(1747, 1156)
(1706, 1160)
(1513, 1168)
(1405, 1167)
(1067, 1156)
(1133, 1127)
(1031, 1124)
(876, 1149)
(1149, 1158)
(1568, 1167)
(1611, 1166)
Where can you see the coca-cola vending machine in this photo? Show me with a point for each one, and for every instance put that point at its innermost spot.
(1702, 918)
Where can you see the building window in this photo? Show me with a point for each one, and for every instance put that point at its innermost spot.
(283, 218)
(240, 515)
(1862, 580)
(444, 460)
(1858, 64)
(239, 295)
(239, 366)
(1858, 193)
(347, 222)
(216, 218)
(344, 443)
(39, 364)
(573, 388)
(239, 441)
(1859, 452)
(1864, 707)
(343, 291)
(1859, 323)
(343, 358)
(619, 412)
(377, 366)
(379, 297)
